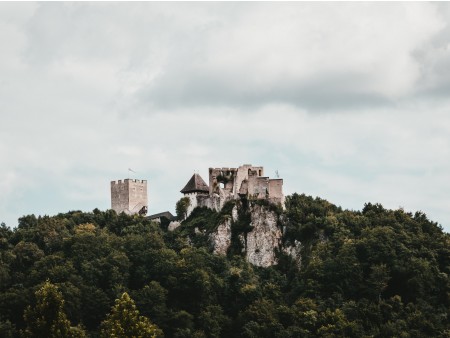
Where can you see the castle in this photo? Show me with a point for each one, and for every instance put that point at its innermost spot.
(130, 196)
(232, 183)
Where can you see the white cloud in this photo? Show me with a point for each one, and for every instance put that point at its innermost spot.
(345, 100)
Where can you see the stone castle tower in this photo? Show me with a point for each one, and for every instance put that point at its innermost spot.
(194, 189)
(129, 196)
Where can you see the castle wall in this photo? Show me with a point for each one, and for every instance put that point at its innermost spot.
(222, 181)
(227, 182)
(193, 202)
(259, 188)
(138, 195)
(119, 196)
(244, 172)
(276, 190)
(129, 195)
(211, 202)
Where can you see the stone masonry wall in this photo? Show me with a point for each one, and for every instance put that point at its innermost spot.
(276, 191)
(129, 195)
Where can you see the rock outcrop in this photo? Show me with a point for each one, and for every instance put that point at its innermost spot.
(221, 238)
(264, 239)
(173, 225)
(261, 240)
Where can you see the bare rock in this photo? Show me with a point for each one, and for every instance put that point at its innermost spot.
(261, 243)
(264, 239)
(234, 214)
(173, 225)
(221, 238)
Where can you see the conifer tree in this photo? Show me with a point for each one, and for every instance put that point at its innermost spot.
(124, 321)
(47, 318)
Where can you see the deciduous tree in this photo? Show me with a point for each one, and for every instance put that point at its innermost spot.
(124, 321)
(47, 318)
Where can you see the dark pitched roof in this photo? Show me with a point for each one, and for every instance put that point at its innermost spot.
(165, 214)
(195, 184)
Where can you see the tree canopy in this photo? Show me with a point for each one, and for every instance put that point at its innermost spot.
(47, 317)
(125, 321)
(373, 273)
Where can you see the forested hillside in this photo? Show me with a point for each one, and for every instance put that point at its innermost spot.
(369, 273)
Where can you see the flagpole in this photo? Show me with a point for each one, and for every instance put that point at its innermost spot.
(130, 171)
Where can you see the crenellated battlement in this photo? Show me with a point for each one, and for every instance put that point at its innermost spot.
(128, 180)
(129, 196)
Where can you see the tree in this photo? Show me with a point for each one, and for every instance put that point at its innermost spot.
(151, 300)
(378, 280)
(124, 321)
(213, 321)
(182, 207)
(370, 273)
(7, 329)
(26, 254)
(47, 318)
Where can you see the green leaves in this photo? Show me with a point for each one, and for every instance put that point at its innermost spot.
(124, 321)
(181, 207)
(375, 272)
(47, 317)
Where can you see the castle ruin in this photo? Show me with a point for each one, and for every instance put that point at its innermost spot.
(129, 196)
(225, 184)
(247, 180)
(232, 183)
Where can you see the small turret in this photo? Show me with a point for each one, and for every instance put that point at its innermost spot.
(195, 189)
(195, 185)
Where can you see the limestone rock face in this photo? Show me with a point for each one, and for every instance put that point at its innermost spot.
(221, 238)
(234, 214)
(265, 237)
(259, 245)
(173, 225)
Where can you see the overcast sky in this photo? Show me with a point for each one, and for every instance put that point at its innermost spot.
(348, 101)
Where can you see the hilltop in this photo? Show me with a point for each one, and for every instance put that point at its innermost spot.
(332, 272)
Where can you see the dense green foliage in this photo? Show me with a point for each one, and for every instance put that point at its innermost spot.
(181, 207)
(125, 321)
(369, 273)
(47, 317)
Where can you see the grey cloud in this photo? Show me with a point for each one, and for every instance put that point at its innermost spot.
(324, 93)
(434, 61)
(248, 54)
(193, 74)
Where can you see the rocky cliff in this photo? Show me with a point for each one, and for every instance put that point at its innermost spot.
(257, 232)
